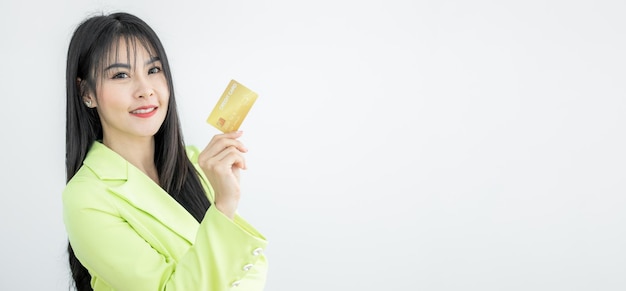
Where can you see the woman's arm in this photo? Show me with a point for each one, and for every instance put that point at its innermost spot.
(119, 256)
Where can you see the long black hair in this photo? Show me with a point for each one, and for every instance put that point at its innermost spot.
(93, 41)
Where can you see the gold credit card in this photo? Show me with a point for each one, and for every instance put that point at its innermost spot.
(232, 108)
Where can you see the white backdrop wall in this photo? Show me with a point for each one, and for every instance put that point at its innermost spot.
(395, 145)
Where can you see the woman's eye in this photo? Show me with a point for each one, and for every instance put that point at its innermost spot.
(120, 76)
(154, 70)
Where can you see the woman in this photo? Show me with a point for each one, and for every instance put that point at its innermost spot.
(142, 211)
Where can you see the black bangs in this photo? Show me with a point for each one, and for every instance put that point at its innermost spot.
(121, 46)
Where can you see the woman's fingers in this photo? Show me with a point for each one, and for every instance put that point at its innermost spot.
(227, 159)
(226, 140)
(232, 156)
(221, 142)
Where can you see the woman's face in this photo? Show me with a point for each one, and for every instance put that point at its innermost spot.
(132, 96)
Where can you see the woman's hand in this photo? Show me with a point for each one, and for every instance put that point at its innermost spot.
(221, 161)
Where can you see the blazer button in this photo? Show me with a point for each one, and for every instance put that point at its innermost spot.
(257, 251)
(236, 283)
(247, 267)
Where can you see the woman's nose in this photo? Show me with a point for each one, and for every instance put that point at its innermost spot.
(144, 88)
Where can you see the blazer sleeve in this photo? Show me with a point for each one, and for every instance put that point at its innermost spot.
(108, 246)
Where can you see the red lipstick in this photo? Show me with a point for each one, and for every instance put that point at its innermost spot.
(144, 111)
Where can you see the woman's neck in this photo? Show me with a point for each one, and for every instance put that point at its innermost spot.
(139, 152)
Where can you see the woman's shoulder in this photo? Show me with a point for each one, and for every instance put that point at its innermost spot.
(102, 168)
(84, 190)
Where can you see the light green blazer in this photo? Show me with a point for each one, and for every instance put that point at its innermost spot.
(131, 235)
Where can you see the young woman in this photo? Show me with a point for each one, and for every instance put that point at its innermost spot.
(142, 210)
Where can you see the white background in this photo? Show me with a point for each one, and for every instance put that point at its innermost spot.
(395, 145)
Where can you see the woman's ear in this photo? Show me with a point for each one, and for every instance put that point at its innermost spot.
(84, 92)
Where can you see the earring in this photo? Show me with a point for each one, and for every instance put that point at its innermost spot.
(88, 103)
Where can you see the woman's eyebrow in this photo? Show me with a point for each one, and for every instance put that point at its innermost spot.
(127, 66)
(152, 60)
(117, 65)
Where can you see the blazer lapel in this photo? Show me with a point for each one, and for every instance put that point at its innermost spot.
(140, 191)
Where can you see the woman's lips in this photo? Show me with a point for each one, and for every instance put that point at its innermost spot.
(144, 112)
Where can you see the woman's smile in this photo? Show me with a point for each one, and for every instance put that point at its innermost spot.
(145, 111)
